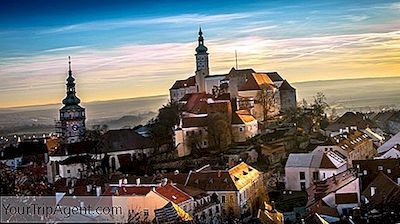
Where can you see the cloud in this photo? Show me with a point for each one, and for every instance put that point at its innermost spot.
(179, 19)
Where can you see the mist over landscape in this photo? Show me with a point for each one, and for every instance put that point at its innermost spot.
(369, 94)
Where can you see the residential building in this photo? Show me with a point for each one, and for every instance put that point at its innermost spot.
(346, 123)
(302, 169)
(338, 194)
(357, 145)
(392, 142)
(244, 126)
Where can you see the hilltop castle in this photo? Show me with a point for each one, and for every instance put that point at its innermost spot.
(244, 97)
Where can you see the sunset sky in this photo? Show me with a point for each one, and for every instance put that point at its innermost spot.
(125, 49)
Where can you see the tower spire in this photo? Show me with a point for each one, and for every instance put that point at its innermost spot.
(69, 63)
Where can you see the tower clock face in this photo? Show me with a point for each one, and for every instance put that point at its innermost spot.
(74, 127)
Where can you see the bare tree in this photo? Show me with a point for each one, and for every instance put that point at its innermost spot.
(266, 98)
(219, 131)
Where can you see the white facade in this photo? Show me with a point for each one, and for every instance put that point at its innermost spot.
(302, 169)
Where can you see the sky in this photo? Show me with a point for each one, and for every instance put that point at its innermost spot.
(125, 49)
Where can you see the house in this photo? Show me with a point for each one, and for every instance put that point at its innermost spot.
(357, 145)
(393, 141)
(240, 190)
(139, 200)
(338, 194)
(382, 197)
(302, 169)
(244, 126)
(206, 208)
(270, 215)
(347, 122)
(367, 170)
(388, 121)
(393, 153)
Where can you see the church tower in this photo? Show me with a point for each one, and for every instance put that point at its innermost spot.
(202, 69)
(72, 115)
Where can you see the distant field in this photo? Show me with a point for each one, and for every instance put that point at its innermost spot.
(353, 94)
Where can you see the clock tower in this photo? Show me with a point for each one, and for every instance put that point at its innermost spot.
(201, 63)
(72, 115)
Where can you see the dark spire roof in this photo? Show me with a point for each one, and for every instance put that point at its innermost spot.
(201, 48)
(71, 99)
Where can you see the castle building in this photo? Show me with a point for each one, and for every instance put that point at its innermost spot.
(72, 115)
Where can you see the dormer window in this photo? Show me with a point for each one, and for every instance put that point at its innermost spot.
(380, 168)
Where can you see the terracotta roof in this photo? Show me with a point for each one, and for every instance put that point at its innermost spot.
(212, 181)
(188, 122)
(242, 117)
(196, 103)
(122, 140)
(346, 198)
(352, 140)
(172, 193)
(194, 192)
(191, 81)
(243, 175)
(320, 189)
(256, 81)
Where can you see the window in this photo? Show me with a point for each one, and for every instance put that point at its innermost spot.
(241, 129)
(389, 171)
(205, 143)
(302, 176)
(365, 172)
(68, 171)
(217, 209)
(380, 167)
(223, 198)
(315, 176)
(303, 186)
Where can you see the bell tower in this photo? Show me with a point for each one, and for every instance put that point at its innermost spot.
(202, 69)
(72, 115)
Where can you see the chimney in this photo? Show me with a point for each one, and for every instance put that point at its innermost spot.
(138, 181)
(125, 181)
(120, 182)
(273, 206)
(71, 190)
(164, 181)
(219, 173)
(98, 191)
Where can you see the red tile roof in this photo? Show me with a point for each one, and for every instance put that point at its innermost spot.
(256, 81)
(172, 193)
(191, 81)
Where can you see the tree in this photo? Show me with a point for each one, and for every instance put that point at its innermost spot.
(219, 131)
(161, 127)
(266, 99)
